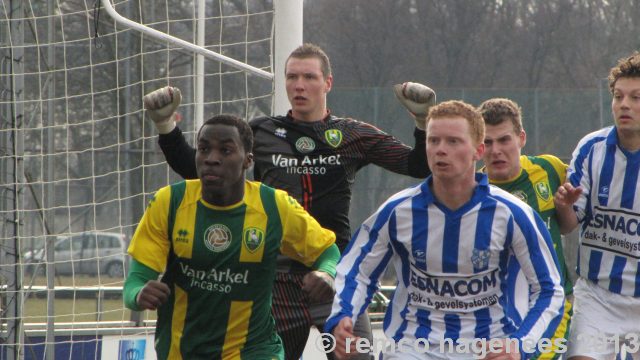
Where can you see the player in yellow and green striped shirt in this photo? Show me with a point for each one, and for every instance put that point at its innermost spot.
(533, 179)
(215, 240)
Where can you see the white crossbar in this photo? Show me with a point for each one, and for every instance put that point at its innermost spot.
(183, 44)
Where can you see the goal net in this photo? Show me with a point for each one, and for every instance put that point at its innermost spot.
(79, 160)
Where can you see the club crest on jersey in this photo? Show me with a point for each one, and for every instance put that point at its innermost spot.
(480, 259)
(542, 189)
(305, 145)
(217, 237)
(520, 195)
(333, 137)
(253, 238)
(281, 132)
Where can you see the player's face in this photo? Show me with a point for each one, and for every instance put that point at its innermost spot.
(307, 88)
(502, 149)
(451, 152)
(221, 162)
(626, 104)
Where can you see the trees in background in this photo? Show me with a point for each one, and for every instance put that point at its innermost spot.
(473, 43)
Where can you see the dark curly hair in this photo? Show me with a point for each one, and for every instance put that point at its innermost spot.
(627, 67)
(246, 134)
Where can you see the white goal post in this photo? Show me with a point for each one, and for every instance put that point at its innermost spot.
(79, 160)
(287, 33)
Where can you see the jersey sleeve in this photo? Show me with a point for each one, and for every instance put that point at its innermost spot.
(579, 174)
(532, 245)
(180, 156)
(390, 153)
(150, 243)
(303, 239)
(558, 165)
(362, 264)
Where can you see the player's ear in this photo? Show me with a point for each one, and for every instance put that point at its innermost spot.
(248, 160)
(479, 152)
(523, 138)
(328, 83)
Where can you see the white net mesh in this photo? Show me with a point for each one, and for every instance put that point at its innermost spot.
(78, 159)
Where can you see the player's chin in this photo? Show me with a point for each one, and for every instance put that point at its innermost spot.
(215, 186)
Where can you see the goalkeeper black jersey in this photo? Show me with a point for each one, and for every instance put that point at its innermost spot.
(315, 162)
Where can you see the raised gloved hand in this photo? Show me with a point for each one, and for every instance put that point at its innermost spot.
(417, 98)
(161, 105)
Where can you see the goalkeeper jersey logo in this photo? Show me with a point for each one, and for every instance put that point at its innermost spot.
(253, 239)
(333, 137)
(217, 237)
(305, 145)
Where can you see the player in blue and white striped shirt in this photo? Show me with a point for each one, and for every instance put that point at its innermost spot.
(449, 240)
(604, 190)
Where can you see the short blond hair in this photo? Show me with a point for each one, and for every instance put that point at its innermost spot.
(498, 110)
(464, 110)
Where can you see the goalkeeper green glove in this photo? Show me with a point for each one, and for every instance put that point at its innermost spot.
(161, 105)
(417, 98)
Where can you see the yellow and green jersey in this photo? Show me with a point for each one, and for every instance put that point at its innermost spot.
(539, 178)
(219, 263)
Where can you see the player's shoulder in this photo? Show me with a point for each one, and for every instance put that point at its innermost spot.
(160, 198)
(347, 122)
(263, 120)
(506, 198)
(182, 192)
(401, 199)
(595, 137)
(259, 192)
(187, 191)
(545, 161)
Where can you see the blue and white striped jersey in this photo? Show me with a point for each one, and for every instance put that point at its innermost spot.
(451, 266)
(609, 210)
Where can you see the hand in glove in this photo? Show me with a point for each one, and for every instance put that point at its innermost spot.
(417, 98)
(161, 105)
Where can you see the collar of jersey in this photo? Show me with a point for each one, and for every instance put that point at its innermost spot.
(216, 207)
(323, 120)
(480, 192)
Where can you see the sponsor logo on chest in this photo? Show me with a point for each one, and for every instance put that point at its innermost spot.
(217, 237)
(305, 145)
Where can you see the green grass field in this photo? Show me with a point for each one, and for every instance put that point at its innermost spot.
(77, 306)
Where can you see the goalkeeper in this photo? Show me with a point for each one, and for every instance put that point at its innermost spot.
(314, 156)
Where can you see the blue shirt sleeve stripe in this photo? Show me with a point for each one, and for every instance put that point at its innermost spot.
(541, 266)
